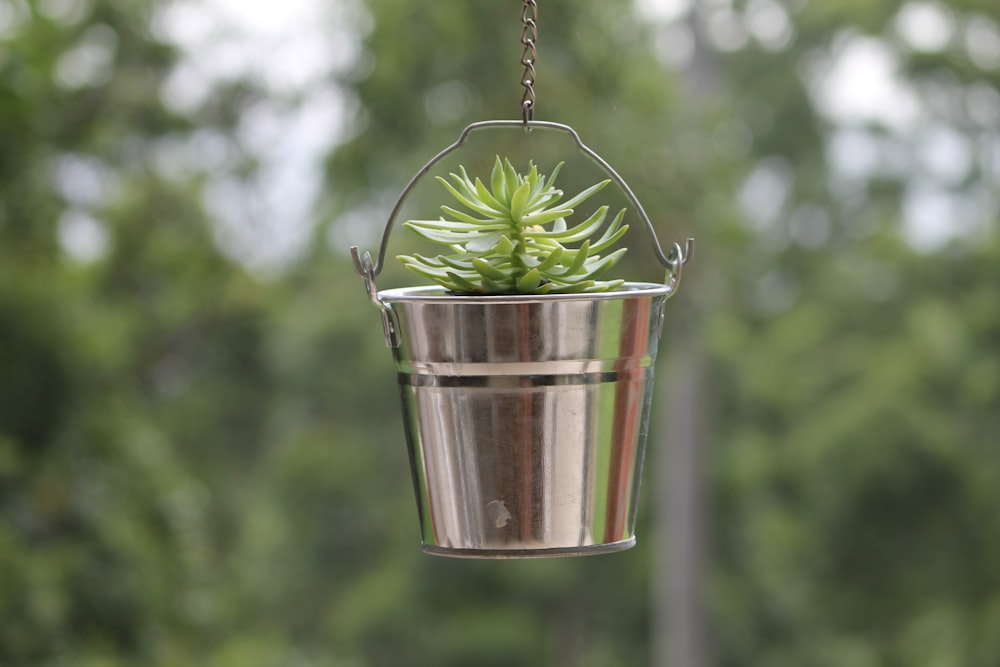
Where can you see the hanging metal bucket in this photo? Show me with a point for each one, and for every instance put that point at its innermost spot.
(525, 416)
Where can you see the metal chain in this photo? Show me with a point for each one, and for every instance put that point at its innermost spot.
(529, 38)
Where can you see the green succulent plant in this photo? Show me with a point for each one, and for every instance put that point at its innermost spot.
(514, 237)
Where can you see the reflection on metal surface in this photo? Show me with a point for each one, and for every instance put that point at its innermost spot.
(526, 417)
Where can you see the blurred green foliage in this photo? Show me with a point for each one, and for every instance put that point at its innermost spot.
(201, 467)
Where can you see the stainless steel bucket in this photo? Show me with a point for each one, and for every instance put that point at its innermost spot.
(526, 416)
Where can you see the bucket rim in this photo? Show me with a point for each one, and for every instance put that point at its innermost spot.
(437, 294)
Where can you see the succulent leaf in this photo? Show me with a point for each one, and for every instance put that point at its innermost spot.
(575, 288)
(555, 174)
(581, 257)
(497, 181)
(512, 178)
(518, 200)
(498, 287)
(544, 217)
(466, 224)
(486, 197)
(514, 236)
(483, 244)
(463, 284)
(584, 230)
(529, 282)
(551, 260)
(612, 234)
(586, 194)
(467, 198)
(504, 248)
(596, 268)
(460, 264)
(488, 270)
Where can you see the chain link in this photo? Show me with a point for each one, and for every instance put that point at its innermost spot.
(529, 38)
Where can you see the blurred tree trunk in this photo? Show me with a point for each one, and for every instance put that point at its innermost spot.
(679, 636)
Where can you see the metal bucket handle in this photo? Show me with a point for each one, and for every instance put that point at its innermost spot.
(674, 262)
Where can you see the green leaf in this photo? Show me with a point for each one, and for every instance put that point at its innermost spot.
(504, 248)
(555, 174)
(529, 282)
(541, 247)
(487, 270)
(539, 201)
(528, 261)
(459, 264)
(552, 260)
(471, 203)
(428, 272)
(498, 286)
(605, 285)
(455, 226)
(612, 234)
(518, 200)
(483, 244)
(547, 216)
(498, 183)
(480, 223)
(573, 288)
(585, 195)
(542, 188)
(593, 286)
(439, 236)
(532, 176)
(487, 198)
(599, 265)
(609, 240)
(464, 285)
(584, 230)
(544, 288)
(577, 265)
(511, 177)
(414, 259)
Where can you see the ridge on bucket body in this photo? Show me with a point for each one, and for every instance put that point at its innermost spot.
(526, 416)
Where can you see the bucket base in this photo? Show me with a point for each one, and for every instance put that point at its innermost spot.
(588, 550)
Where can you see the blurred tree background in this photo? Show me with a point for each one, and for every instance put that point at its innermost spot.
(201, 458)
